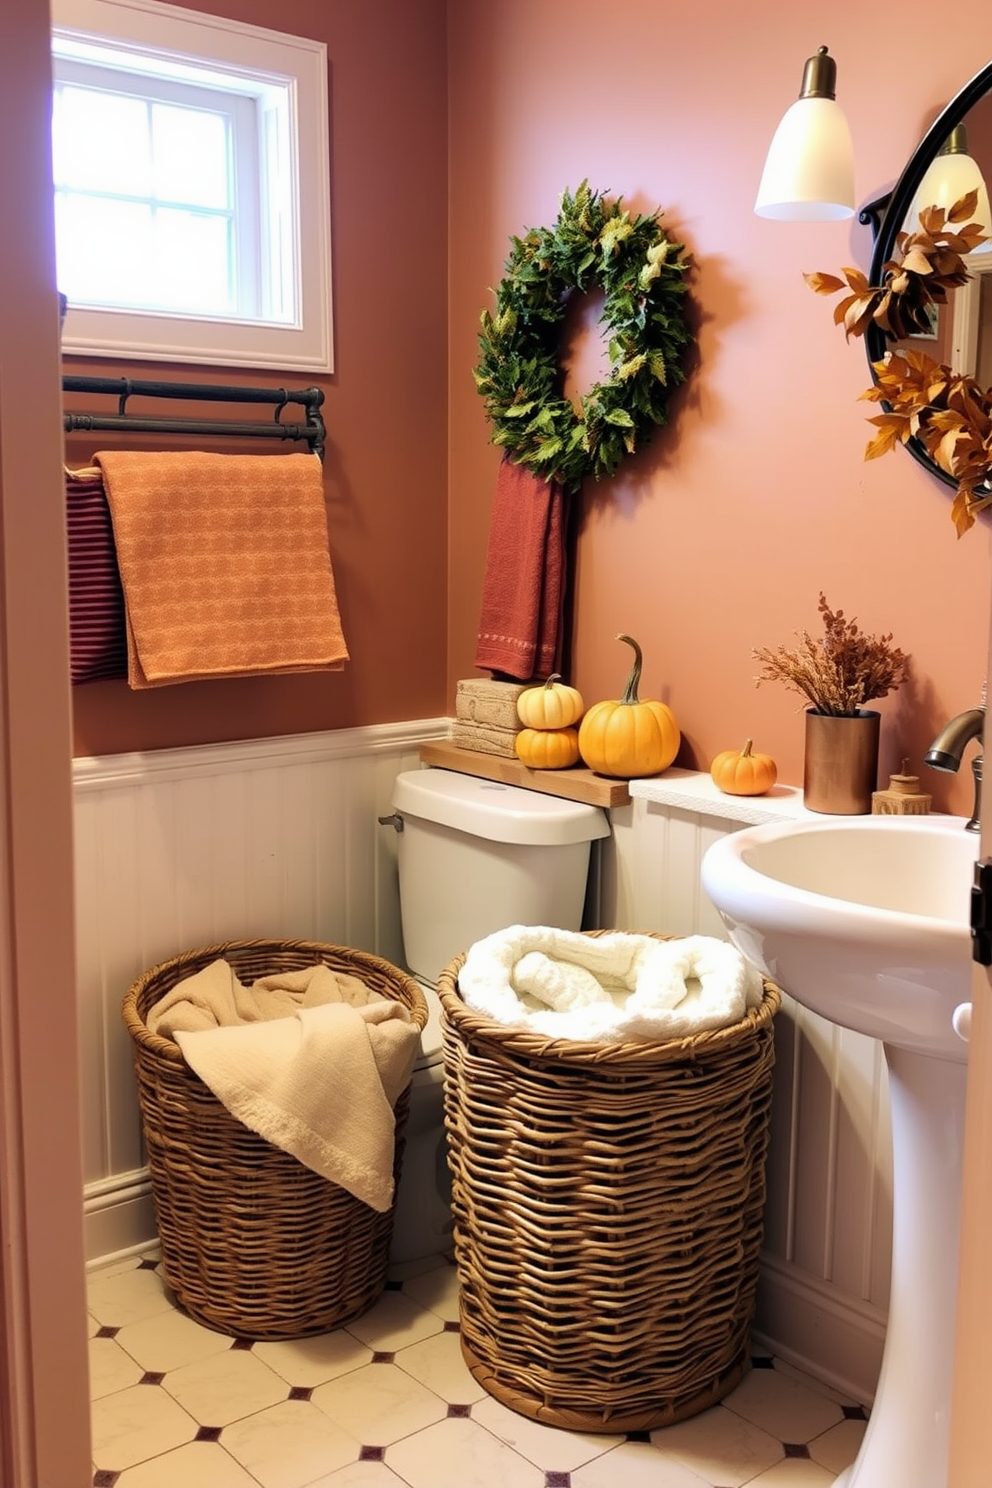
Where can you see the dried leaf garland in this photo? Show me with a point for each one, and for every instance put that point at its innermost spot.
(949, 412)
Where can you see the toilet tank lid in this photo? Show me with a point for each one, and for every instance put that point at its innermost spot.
(494, 811)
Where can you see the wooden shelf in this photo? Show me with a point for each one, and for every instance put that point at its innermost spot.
(576, 784)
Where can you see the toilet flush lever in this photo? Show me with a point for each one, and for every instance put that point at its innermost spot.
(392, 821)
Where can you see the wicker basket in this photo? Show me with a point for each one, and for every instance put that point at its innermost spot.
(607, 1203)
(254, 1243)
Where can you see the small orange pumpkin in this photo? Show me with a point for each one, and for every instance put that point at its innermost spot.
(551, 706)
(741, 772)
(628, 738)
(547, 749)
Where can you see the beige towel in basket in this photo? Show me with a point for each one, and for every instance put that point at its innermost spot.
(311, 1060)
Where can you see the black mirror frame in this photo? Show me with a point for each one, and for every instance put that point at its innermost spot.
(887, 216)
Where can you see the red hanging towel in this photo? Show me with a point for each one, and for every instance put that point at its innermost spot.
(520, 619)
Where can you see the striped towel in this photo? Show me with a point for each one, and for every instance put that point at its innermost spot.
(97, 641)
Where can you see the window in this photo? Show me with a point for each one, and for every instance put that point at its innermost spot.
(191, 187)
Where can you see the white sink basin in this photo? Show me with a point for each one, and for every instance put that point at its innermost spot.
(863, 920)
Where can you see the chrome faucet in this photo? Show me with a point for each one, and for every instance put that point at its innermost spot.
(947, 750)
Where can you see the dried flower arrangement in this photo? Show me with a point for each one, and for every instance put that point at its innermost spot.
(951, 414)
(839, 673)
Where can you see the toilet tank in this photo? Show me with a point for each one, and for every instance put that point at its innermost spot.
(476, 856)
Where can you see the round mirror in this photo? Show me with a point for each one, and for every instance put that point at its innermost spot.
(960, 334)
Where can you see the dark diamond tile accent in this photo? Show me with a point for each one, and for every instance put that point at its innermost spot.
(244, 1344)
(147, 1265)
(378, 1358)
(461, 1411)
(372, 1454)
(557, 1480)
(208, 1433)
(642, 1436)
(762, 1361)
(450, 1327)
(104, 1479)
(854, 1413)
(107, 1332)
(300, 1392)
(795, 1449)
(151, 1377)
(394, 1286)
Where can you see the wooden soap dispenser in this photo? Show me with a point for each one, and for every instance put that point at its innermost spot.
(902, 798)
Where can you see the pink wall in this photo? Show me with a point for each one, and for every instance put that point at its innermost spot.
(719, 536)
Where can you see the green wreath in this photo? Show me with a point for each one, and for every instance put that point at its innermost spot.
(593, 244)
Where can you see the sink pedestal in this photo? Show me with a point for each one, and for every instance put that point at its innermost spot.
(906, 1443)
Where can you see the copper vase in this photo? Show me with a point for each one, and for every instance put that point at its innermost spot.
(841, 764)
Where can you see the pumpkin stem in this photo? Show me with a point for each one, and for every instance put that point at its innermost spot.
(630, 691)
(746, 751)
(555, 677)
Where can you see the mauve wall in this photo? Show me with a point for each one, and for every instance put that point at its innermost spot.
(385, 470)
(718, 537)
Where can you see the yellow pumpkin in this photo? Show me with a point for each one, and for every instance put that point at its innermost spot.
(551, 706)
(741, 772)
(628, 738)
(547, 749)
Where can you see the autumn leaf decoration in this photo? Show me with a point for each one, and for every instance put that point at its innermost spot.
(951, 414)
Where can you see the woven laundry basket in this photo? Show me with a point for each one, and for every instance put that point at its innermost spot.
(254, 1243)
(607, 1203)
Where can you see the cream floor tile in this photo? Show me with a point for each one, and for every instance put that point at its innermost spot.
(459, 1453)
(133, 1425)
(719, 1446)
(838, 1447)
(545, 1446)
(786, 1409)
(312, 1361)
(379, 1404)
(290, 1445)
(635, 1465)
(795, 1472)
(407, 1269)
(124, 1297)
(360, 1475)
(110, 1368)
(225, 1387)
(437, 1363)
(437, 1290)
(168, 1340)
(114, 1268)
(790, 1370)
(197, 1465)
(92, 1326)
(394, 1322)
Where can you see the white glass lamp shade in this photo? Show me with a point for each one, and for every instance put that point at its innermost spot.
(948, 179)
(809, 171)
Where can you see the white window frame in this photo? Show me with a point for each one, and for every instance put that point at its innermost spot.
(304, 343)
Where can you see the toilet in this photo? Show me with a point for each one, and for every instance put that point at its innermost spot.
(474, 856)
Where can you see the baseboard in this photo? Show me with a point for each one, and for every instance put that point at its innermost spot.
(829, 1335)
(118, 1218)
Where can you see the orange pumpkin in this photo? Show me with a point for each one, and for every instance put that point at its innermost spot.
(551, 706)
(628, 738)
(547, 749)
(741, 772)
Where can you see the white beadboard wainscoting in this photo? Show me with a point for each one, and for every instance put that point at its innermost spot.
(279, 838)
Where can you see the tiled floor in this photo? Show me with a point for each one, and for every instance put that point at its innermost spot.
(388, 1401)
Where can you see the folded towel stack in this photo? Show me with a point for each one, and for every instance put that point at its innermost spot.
(485, 738)
(494, 704)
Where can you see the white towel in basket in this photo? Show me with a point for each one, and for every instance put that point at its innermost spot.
(311, 1060)
(607, 988)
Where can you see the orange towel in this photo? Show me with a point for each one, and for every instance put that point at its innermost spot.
(520, 621)
(225, 565)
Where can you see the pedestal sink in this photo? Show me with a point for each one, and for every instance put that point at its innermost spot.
(864, 920)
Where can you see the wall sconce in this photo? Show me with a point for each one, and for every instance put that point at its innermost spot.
(809, 171)
(951, 175)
